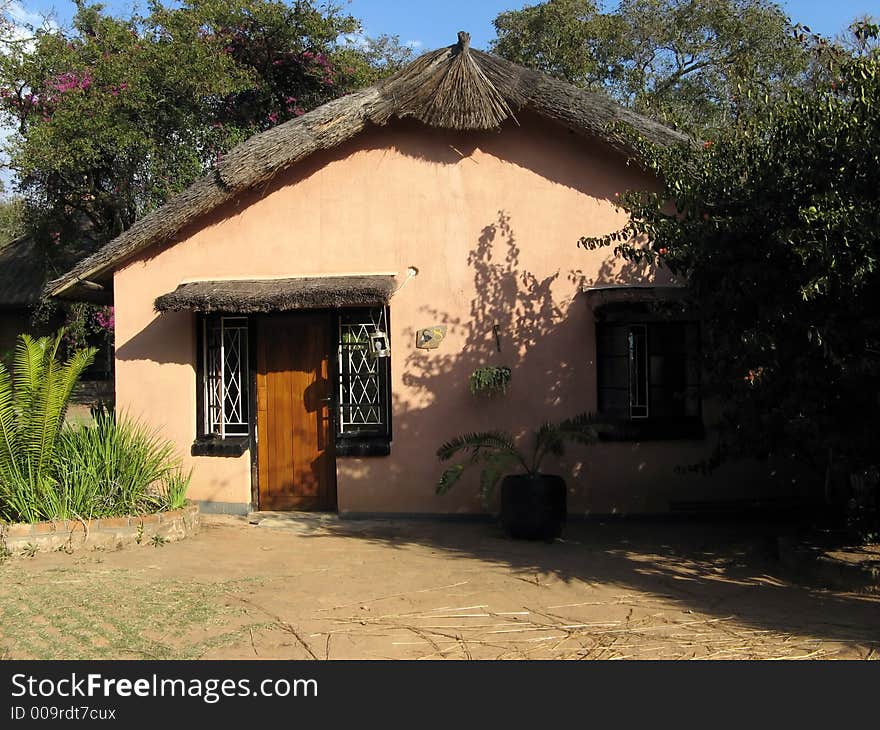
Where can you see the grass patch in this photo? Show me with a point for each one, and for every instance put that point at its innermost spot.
(75, 613)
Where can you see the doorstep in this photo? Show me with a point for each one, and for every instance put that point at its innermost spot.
(301, 521)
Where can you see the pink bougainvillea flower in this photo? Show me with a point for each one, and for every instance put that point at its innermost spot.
(71, 81)
(105, 318)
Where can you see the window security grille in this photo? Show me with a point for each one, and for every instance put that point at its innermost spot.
(649, 371)
(225, 369)
(363, 377)
(637, 341)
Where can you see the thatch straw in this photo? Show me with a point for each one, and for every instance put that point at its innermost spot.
(455, 88)
(272, 295)
(22, 273)
(446, 89)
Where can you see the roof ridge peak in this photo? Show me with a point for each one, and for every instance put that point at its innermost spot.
(456, 87)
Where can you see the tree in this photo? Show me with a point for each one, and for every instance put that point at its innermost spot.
(774, 225)
(687, 63)
(114, 115)
(11, 219)
(563, 38)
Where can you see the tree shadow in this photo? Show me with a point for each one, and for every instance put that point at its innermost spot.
(725, 570)
(533, 319)
(512, 314)
(533, 324)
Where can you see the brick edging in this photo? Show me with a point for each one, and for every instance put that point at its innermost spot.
(99, 534)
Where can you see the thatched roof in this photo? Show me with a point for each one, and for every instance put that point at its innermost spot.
(22, 273)
(455, 88)
(278, 295)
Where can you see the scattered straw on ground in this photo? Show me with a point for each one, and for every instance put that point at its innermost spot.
(428, 591)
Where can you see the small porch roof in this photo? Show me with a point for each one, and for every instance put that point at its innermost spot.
(278, 295)
(623, 301)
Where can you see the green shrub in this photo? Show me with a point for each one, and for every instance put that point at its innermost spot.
(33, 403)
(49, 470)
(116, 467)
(174, 488)
(496, 453)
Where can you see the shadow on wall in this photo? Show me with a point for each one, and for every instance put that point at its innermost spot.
(617, 271)
(167, 339)
(539, 327)
(559, 159)
(513, 321)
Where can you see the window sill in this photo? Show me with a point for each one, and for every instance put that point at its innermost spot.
(636, 430)
(211, 446)
(363, 447)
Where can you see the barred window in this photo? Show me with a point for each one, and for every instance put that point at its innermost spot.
(225, 394)
(363, 386)
(648, 373)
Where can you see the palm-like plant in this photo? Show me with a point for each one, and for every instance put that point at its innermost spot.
(497, 453)
(33, 403)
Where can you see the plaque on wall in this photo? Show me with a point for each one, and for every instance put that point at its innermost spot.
(431, 337)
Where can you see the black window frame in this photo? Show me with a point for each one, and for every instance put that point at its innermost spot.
(357, 443)
(653, 415)
(210, 443)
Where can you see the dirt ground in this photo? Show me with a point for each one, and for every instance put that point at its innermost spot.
(325, 588)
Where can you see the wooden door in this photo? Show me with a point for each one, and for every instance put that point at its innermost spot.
(296, 464)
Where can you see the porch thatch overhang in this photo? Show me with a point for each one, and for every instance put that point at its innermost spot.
(620, 301)
(278, 295)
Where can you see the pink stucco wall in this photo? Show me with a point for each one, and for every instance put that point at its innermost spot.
(491, 222)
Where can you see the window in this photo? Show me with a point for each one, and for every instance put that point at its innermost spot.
(363, 415)
(648, 377)
(224, 368)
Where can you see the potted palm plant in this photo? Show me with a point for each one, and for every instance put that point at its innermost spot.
(533, 504)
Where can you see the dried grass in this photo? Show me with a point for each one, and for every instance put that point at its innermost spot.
(542, 634)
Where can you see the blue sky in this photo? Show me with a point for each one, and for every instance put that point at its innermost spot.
(434, 24)
(428, 24)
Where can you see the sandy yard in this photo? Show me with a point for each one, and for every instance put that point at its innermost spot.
(323, 588)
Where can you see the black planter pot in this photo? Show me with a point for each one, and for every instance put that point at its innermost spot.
(533, 506)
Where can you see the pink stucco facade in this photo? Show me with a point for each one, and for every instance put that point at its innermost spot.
(491, 222)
